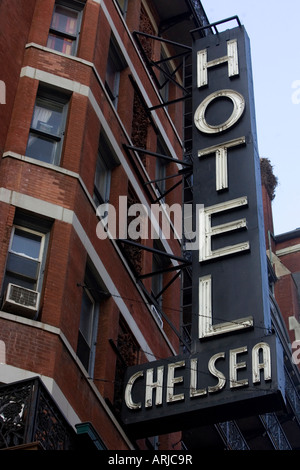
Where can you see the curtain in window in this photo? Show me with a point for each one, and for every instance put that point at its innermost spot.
(64, 21)
(40, 119)
(60, 44)
(46, 128)
(40, 116)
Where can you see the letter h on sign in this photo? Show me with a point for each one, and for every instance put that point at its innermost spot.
(231, 58)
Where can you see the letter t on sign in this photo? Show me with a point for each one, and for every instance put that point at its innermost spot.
(220, 151)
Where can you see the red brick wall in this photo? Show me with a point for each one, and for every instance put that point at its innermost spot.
(6, 222)
(287, 298)
(17, 135)
(41, 22)
(11, 53)
(291, 260)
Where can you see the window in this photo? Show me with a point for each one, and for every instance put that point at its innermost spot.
(164, 73)
(26, 257)
(106, 161)
(102, 180)
(47, 126)
(160, 171)
(123, 6)
(159, 264)
(93, 294)
(157, 279)
(160, 176)
(64, 29)
(86, 335)
(115, 65)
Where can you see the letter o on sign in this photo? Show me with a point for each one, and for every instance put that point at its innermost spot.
(238, 109)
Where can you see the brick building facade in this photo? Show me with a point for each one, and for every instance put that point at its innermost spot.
(93, 118)
(284, 255)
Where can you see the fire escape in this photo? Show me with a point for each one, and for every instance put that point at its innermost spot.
(174, 32)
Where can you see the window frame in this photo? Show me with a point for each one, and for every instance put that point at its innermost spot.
(161, 167)
(165, 69)
(96, 291)
(160, 176)
(116, 59)
(9, 275)
(56, 99)
(72, 7)
(97, 196)
(93, 327)
(124, 8)
(107, 160)
(157, 279)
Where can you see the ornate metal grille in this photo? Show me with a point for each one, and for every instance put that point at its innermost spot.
(29, 414)
(232, 436)
(14, 404)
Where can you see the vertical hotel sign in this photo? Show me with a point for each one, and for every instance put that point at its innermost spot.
(235, 368)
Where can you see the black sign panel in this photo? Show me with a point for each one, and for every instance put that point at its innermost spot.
(231, 263)
(183, 392)
(236, 366)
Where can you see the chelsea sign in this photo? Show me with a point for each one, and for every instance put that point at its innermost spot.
(235, 368)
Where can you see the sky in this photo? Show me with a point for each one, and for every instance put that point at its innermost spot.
(273, 30)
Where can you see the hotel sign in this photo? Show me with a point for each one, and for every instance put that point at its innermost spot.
(235, 368)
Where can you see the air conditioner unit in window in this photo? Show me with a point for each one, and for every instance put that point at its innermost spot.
(21, 301)
(157, 316)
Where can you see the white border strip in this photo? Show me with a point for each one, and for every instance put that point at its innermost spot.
(288, 250)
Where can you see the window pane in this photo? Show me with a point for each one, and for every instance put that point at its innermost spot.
(65, 20)
(83, 351)
(160, 175)
(60, 44)
(114, 67)
(25, 267)
(41, 148)
(157, 279)
(86, 317)
(26, 244)
(112, 76)
(123, 5)
(47, 117)
(102, 179)
(19, 281)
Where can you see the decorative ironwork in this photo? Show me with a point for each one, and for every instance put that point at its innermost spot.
(199, 12)
(51, 429)
(232, 436)
(14, 405)
(29, 414)
(293, 396)
(275, 431)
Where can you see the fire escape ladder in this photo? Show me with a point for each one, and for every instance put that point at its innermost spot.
(158, 64)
